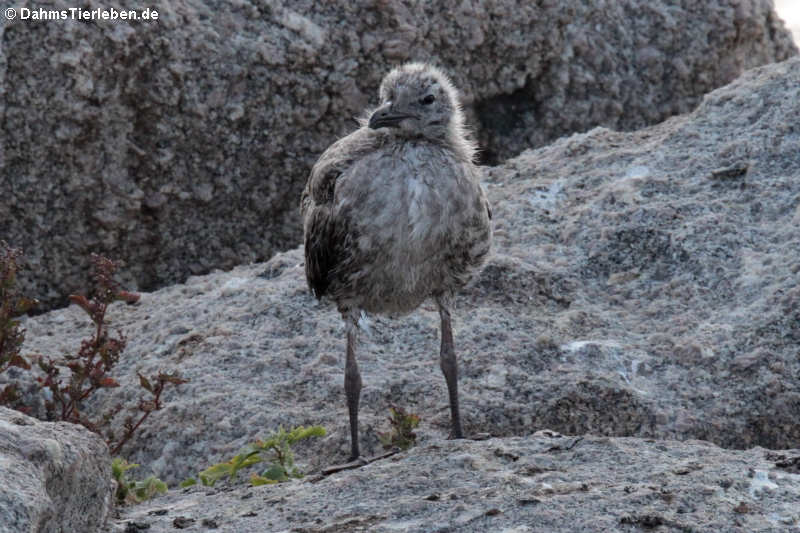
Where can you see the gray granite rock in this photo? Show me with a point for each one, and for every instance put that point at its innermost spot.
(54, 477)
(543, 483)
(643, 284)
(181, 144)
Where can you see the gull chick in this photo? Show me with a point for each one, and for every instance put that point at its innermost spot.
(394, 214)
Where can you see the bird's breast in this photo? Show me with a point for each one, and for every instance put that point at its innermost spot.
(406, 196)
(409, 212)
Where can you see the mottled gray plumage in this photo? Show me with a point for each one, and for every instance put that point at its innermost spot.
(394, 213)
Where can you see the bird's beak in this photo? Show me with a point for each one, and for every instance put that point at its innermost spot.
(386, 117)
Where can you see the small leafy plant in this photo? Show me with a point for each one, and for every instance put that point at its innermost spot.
(71, 380)
(89, 370)
(129, 491)
(275, 451)
(402, 433)
(12, 305)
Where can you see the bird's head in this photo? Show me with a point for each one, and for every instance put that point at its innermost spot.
(418, 100)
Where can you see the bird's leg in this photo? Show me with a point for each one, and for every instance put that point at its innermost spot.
(352, 385)
(447, 360)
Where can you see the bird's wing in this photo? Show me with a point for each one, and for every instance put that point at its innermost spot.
(320, 248)
(323, 236)
(333, 162)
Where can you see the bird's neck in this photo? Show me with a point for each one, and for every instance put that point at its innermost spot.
(456, 143)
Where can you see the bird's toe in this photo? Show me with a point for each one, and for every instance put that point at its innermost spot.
(353, 462)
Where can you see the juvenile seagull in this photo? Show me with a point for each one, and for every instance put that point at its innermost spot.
(394, 213)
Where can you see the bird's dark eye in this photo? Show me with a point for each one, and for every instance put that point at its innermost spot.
(427, 100)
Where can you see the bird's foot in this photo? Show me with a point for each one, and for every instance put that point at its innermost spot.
(474, 436)
(455, 431)
(352, 463)
(358, 462)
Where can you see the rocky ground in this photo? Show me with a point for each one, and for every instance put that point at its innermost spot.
(181, 145)
(643, 287)
(540, 482)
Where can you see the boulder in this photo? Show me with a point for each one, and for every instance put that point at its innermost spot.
(181, 144)
(56, 477)
(643, 284)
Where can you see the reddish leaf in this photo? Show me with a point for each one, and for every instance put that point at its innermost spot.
(175, 379)
(108, 382)
(128, 297)
(145, 383)
(18, 360)
(8, 395)
(25, 304)
(85, 304)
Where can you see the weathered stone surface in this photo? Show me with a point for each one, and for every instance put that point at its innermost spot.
(538, 483)
(54, 477)
(181, 145)
(643, 284)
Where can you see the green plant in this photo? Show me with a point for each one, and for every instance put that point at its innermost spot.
(129, 491)
(402, 433)
(12, 305)
(275, 450)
